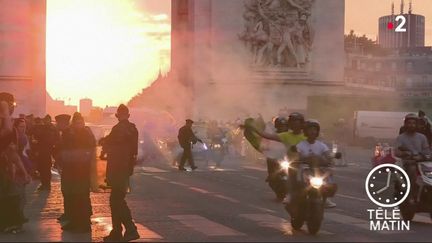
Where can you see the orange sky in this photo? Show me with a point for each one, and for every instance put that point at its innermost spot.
(108, 50)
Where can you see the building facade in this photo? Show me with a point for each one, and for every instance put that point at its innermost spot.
(407, 72)
(85, 107)
(413, 36)
(22, 53)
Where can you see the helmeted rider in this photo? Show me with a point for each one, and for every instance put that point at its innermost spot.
(311, 148)
(412, 145)
(289, 138)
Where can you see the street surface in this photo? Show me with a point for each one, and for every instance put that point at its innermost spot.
(231, 204)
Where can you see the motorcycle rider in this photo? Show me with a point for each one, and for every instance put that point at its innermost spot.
(412, 145)
(290, 139)
(311, 148)
(281, 125)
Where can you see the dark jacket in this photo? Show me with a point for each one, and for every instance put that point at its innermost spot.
(76, 149)
(186, 137)
(45, 137)
(121, 146)
(7, 168)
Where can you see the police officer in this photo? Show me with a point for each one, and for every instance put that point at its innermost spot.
(186, 137)
(77, 144)
(44, 140)
(62, 124)
(122, 148)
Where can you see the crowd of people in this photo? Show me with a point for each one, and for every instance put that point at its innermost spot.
(31, 146)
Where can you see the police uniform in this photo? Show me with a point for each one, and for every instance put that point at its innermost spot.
(77, 145)
(62, 121)
(121, 146)
(186, 137)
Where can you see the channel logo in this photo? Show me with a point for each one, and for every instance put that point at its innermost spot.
(398, 25)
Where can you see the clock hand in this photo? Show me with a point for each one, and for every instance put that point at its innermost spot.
(388, 179)
(382, 189)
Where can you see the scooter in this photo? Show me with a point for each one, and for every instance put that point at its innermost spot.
(420, 197)
(314, 184)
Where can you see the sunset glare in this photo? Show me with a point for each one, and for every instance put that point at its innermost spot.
(104, 50)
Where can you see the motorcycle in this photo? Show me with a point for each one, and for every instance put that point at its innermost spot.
(314, 184)
(218, 150)
(278, 180)
(420, 197)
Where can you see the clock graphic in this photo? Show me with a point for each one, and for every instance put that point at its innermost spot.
(380, 185)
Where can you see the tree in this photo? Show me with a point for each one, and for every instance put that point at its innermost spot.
(363, 44)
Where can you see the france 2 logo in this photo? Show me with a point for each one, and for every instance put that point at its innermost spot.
(401, 21)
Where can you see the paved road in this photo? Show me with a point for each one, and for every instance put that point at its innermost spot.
(233, 204)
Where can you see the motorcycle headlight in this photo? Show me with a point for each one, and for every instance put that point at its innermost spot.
(141, 141)
(285, 164)
(217, 146)
(316, 182)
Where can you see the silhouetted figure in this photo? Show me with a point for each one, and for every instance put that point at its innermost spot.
(77, 144)
(62, 124)
(186, 138)
(121, 146)
(11, 169)
(44, 135)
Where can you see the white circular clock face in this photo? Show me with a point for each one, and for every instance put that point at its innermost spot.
(380, 185)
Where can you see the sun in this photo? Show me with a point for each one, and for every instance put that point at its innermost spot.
(99, 49)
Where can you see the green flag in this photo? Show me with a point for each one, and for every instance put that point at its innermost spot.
(270, 149)
(253, 138)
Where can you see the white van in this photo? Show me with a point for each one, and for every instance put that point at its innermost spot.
(378, 124)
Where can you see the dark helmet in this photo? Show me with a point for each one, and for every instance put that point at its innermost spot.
(296, 116)
(312, 123)
(280, 121)
(411, 116)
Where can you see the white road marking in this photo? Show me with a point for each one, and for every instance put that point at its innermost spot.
(227, 198)
(251, 177)
(270, 221)
(255, 168)
(104, 224)
(261, 209)
(178, 183)
(161, 178)
(151, 169)
(351, 197)
(200, 190)
(205, 226)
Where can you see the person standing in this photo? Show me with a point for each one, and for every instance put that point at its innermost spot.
(77, 143)
(11, 169)
(186, 138)
(44, 140)
(62, 124)
(121, 146)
